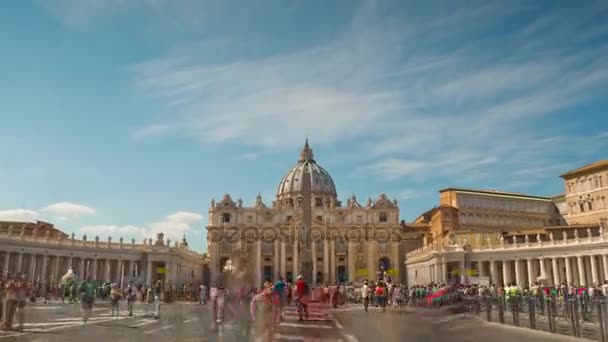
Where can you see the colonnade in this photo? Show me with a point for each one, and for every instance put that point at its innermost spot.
(574, 270)
(50, 268)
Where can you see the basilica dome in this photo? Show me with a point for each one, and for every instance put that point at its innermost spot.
(321, 184)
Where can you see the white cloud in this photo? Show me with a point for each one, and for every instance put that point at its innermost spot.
(20, 215)
(184, 217)
(68, 209)
(173, 226)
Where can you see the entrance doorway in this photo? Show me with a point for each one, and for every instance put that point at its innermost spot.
(267, 273)
(342, 275)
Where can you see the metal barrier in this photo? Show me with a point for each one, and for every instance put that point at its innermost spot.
(576, 316)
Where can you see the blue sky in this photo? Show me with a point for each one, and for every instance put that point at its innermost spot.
(125, 118)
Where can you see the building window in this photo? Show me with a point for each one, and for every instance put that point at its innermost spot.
(590, 205)
(582, 207)
(299, 202)
(383, 217)
(320, 218)
(288, 218)
(249, 219)
(597, 183)
(570, 188)
(359, 219)
(318, 202)
(225, 218)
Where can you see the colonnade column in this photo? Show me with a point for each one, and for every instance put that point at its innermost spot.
(131, 268)
(518, 281)
(148, 273)
(581, 271)
(493, 275)
(118, 271)
(554, 266)
(45, 261)
(7, 262)
(444, 270)
(55, 269)
(96, 270)
(20, 263)
(107, 271)
(605, 262)
(593, 270)
(506, 275)
(82, 274)
(568, 271)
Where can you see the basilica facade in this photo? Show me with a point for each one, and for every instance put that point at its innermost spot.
(346, 242)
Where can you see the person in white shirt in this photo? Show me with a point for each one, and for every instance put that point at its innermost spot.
(605, 289)
(365, 295)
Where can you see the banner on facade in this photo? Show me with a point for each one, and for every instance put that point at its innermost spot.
(362, 272)
(161, 270)
(392, 272)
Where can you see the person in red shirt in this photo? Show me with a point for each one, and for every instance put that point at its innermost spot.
(301, 297)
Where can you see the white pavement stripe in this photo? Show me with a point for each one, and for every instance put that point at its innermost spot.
(300, 325)
(159, 329)
(76, 319)
(143, 322)
(288, 337)
(46, 307)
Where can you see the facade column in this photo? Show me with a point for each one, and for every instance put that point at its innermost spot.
(132, 268)
(568, 271)
(258, 262)
(276, 260)
(371, 269)
(284, 259)
(326, 275)
(70, 264)
(55, 269)
(296, 261)
(20, 263)
(332, 260)
(605, 262)
(351, 261)
(594, 270)
(395, 261)
(506, 272)
(444, 270)
(313, 245)
(554, 267)
(581, 271)
(148, 272)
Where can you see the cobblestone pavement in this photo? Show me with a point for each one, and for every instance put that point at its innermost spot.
(55, 322)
